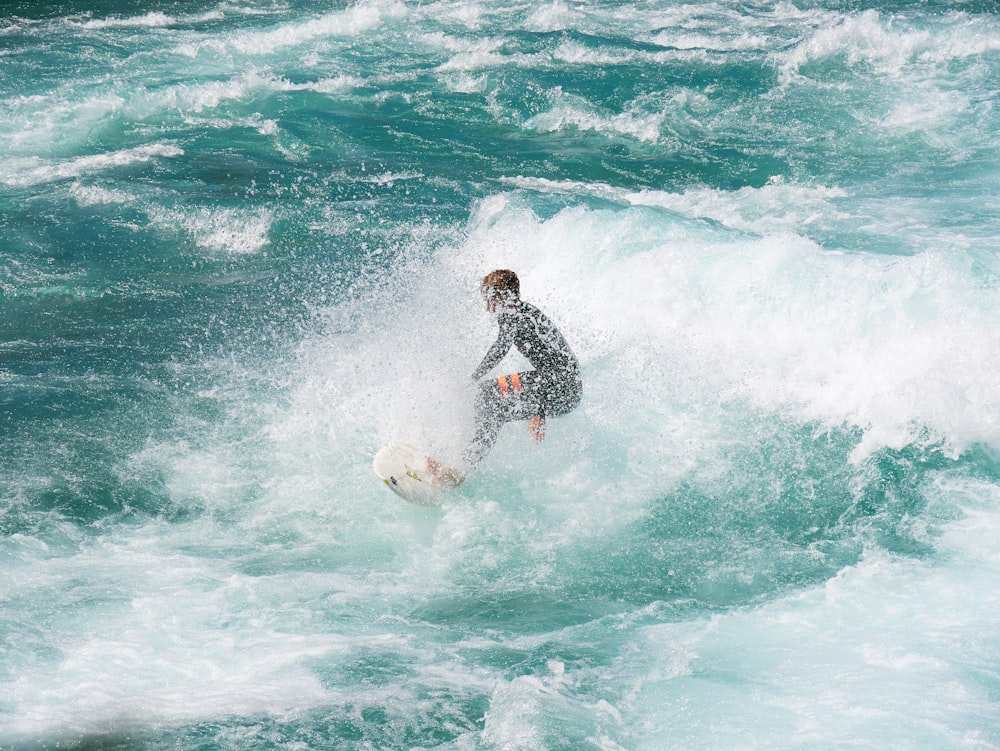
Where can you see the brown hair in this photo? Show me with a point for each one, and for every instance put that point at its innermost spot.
(501, 283)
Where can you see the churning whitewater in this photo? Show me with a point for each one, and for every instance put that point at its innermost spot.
(241, 249)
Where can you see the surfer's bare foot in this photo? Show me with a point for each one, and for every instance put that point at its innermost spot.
(444, 475)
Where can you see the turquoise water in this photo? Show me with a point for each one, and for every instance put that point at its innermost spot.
(240, 251)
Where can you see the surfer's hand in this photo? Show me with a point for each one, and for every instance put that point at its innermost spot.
(536, 426)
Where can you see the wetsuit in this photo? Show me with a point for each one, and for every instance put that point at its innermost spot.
(552, 388)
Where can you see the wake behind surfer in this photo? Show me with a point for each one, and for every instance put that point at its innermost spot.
(552, 388)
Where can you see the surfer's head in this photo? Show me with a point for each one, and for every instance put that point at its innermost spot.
(500, 287)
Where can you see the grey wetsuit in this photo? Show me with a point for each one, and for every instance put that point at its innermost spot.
(553, 388)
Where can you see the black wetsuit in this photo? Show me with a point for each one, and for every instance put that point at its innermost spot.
(552, 388)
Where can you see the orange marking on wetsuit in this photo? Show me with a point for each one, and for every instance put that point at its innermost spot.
(515, 381)
(502, 383)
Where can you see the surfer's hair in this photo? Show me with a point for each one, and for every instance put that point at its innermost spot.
(501, 283)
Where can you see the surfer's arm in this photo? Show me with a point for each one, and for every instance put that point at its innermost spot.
(500, 348)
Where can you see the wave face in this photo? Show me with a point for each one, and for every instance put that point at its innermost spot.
(241, 245)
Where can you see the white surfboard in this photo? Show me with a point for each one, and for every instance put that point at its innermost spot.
(404, 470)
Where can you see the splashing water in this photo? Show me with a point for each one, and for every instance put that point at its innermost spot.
(241, 248)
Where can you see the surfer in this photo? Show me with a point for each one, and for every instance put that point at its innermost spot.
(552, 388)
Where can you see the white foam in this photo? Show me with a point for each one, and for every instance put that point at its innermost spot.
(854, 339)
(94, 195)
(37, 123)
(239, 231)
(778, 206)
(191, 99)
(179, 638)
(158, 19)
(153, 19)
(486, 53)
(472, 56)
(554, 16)
(353, 21)
(27, 172)
(471, 15)
(642, 119)
(891, 49)
(711, 40)
(887, 649)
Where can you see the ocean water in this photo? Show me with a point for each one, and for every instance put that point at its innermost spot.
(240, 249)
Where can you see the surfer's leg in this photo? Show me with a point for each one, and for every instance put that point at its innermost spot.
(509, 397)
(487, 425)
(561, 395)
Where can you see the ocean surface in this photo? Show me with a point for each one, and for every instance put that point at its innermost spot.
(240, 245)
